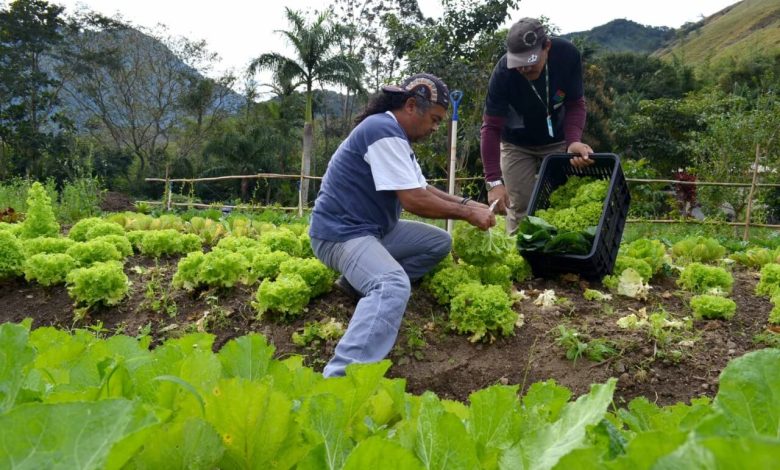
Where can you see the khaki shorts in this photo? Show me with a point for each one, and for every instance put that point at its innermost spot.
(519, 166)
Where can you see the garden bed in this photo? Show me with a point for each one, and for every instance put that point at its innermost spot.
(427, 355)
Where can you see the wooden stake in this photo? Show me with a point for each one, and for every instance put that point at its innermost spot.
(746, 234)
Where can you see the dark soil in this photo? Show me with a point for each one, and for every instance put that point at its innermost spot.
(116, 202)
(666, 369)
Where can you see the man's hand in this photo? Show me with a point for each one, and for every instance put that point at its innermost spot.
(582, 152)
(499, 194)
(481, 217)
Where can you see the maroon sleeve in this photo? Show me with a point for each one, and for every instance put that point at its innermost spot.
(573, 121)
(490, 146)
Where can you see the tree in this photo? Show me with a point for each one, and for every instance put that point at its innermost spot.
(461, 47)
(316, 61)
(142, 92)
(30, 124)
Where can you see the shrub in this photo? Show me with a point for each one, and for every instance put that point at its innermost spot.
(80, 198)
(48, 268)
(700, 278)
(40, 220)
(317, 276)
(11, 255)
(712, 307)
(102, 283)
(287, 295)
(94, 251)
(482, 311)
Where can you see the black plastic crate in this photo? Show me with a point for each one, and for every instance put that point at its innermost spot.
(555, 171)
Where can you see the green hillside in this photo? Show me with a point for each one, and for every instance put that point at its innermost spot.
(625, 36)
(748, 28)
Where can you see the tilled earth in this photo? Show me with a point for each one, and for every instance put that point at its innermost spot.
(670, 366)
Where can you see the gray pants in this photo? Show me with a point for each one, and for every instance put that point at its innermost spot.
(519, 166)
(380, 269)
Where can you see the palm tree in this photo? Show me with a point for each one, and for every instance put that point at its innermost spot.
(316, 61)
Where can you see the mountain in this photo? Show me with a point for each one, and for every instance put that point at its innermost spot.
(750, 27)
(625, 36)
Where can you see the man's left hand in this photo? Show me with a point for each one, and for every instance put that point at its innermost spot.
(582, 152)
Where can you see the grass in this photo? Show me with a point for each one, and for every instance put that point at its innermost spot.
(749, 28)
(729, 236)
(78, 199)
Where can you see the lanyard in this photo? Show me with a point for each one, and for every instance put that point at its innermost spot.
(545, 103)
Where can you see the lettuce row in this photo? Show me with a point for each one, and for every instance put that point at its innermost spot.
(183, 406)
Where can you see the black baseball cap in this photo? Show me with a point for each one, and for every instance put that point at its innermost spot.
(425, 85)
(524, 43)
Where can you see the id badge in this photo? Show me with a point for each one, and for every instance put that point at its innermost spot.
(549, 126)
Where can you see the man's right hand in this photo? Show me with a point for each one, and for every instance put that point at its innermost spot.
(499, 194)
(481, 217)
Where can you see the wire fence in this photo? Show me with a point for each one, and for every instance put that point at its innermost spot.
(747, 223)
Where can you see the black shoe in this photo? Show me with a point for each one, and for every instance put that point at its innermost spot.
(344, 286)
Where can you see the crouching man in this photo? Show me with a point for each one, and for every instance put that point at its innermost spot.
(356, 227)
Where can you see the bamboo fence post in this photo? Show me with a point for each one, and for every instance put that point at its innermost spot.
(300, 195)
(746, 234)
(168, 188)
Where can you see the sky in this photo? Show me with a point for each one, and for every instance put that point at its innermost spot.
(240, 30)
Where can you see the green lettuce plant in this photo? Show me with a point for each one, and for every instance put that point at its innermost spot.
(40, 220)
(265, 265)
(700, 278)
(187, 274)
(33, 246)
(156, 243)
(318, 277)
(48, 268)
(105, 228)
(480, 247)
(712, 307)
(101, 283)
(482, 311)
(80, 229)
(769, 283)
(701, 249)
(286, 296)
(445, 284)
(281, 239)
(11, 255)
(93, 251)
(221, 268)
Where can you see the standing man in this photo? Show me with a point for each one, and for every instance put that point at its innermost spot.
(356, 227)
(534, 107)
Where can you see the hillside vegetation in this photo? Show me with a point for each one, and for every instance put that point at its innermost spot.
(748, 28)
(625, 36)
